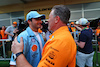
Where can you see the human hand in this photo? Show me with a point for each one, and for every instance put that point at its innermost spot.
(16, 46)
(15, 30)
(75, 40)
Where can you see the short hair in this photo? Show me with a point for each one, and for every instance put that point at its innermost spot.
(63, 12)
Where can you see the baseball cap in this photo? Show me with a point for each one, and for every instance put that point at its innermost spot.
(72, 22)
(83, 21)
(34, 14)
(14, 22)
(77, 22)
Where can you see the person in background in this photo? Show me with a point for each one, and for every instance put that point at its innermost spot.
(11, 30)
(32, 40)
(42, 30)
(72, 27)
(69, 27)
(78, 29)
(98, 35)
(58, 48)
(46, 32)
(77, 26)
(3, 36)
(77, 23)
(85, 50)
(2, 32)
(88, 25)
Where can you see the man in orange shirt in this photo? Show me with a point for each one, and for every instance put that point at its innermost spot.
(60, 49)
(98, 36)
(73, 27)
(4, 36)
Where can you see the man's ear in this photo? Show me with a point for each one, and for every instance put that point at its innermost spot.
(57, 18)
(28, 21)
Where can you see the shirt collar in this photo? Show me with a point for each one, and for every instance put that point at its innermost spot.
(30, 32)
(59, 30)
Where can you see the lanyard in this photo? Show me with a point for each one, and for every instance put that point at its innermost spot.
(85, 28)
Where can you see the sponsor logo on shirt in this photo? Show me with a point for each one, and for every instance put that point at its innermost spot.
(49, 61)
(34, 55)
(54, 49)
(52, 55)
(34, 48)
(33, 40)
(46, 65)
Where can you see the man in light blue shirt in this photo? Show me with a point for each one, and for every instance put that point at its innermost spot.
(33, 41)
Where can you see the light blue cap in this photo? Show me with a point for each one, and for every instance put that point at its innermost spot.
(34, 14)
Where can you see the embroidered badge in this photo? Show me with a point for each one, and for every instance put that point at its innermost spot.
(33, 40)
(52, 55)
(34, 48)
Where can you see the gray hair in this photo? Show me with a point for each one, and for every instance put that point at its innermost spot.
(63, 12)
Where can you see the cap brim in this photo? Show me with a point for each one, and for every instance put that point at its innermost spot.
(40, 16)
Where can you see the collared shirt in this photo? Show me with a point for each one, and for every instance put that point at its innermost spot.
(59, 50)
(32, 47)
(73, 29)
(97, 31)
(86, 36)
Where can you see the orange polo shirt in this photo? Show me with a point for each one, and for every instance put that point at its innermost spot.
(4, 36)
(59, 50)
(97, 31)
(73, 29)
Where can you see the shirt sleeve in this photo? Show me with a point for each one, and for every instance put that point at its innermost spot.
(12, 62)
(25, 42)
(8, 29)
(83, 37)
(56, 55)
(97, 32)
